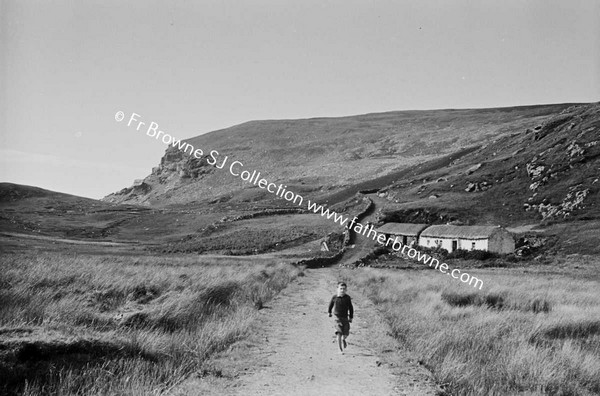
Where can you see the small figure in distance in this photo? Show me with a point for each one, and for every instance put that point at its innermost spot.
(341, 304)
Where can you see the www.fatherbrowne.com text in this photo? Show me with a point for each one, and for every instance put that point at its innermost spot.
(236, 168)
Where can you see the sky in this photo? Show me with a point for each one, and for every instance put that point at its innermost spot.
(66, 68)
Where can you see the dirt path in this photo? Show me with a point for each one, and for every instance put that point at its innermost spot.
(362, 244)
(294, 352)
(62, 240)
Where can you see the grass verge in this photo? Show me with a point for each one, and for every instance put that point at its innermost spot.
(78, 324)
(533, 334)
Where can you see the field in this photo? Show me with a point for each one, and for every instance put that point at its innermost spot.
(530, 331)
(107, 324)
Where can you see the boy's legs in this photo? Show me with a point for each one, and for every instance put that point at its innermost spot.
(345, 333)
(339, 333)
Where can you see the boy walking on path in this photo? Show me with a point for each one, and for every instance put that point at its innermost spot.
(341, 304)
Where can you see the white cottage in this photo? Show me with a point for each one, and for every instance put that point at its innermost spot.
(491, 238)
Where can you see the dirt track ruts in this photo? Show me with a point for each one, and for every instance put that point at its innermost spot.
(292, 351)
(297, 340)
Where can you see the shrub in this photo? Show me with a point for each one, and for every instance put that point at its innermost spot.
(472, 254)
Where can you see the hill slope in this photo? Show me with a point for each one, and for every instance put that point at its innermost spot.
(548, 171)
(34, 217)
(316, 157)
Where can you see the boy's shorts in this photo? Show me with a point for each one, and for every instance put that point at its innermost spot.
(342, 326)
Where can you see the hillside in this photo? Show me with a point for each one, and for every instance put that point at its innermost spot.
(32, 217)
(320, 156)
(524, 167)
(546, 173)
(27, 210)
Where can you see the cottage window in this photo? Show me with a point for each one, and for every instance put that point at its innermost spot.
(472, 245)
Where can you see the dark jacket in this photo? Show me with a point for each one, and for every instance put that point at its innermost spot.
(342, 307)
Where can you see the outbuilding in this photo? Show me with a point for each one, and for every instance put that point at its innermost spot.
(451, 237)
(406, 233)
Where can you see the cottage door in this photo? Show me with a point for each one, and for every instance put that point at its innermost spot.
(454, 245)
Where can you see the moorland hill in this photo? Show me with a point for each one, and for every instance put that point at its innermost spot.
(548, 171)
(518, 167)
(320, 156)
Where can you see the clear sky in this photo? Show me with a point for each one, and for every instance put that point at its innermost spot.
(66, 67)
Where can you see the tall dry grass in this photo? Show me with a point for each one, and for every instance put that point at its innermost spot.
(123, 325)
(526, 333)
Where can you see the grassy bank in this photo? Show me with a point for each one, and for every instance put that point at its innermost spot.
(122, 325)
(528, 332)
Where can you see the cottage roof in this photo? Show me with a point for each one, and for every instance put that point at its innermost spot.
(466, 232)
(407, 229)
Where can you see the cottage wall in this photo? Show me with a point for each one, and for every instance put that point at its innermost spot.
(467, 244)
(502, 241)
(499, 240)
(446, 243)
(432, 242)
(409, 239)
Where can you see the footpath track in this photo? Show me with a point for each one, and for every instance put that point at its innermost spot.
(293, 351)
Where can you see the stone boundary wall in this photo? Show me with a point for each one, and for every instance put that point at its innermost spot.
(266, 212)
(361, 215)
(349, 236)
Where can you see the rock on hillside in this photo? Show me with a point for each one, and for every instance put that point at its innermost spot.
(322, 155)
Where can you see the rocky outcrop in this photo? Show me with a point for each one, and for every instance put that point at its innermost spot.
(178, 164)
(474, 168)
(478, 186)
(573, 201)
(571, 153)
(176, 168)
